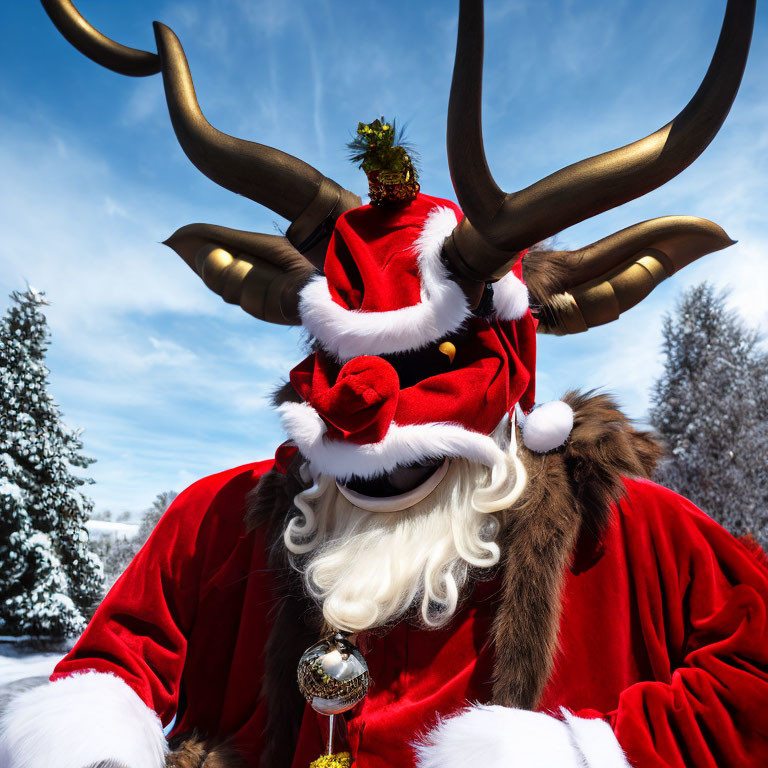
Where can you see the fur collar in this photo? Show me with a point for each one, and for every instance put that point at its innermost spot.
(556, 524)
(194, 752)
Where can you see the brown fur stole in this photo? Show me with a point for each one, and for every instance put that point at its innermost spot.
(193, 752)
(567, 500)
(297, 624)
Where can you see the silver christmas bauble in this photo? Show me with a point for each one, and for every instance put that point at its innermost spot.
(333, 675)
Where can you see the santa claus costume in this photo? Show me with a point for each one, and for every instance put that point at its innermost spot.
(619, 619)
(506, 584)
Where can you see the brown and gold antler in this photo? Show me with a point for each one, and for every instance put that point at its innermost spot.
(595, 284)
(574, 290)
(261, 273)
(281, 182)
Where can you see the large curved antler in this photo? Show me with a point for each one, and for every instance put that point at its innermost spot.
(499, 225)
(282, 182)
(97, 47)
(572, 291)
(261, 273)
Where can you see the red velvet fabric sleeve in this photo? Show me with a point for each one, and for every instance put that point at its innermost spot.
(140, 630)
(701, 598)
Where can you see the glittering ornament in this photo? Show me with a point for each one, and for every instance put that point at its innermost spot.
(387, 161)
(333, 675)
(341, 760)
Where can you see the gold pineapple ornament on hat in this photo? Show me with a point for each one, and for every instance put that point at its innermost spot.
(380, 151)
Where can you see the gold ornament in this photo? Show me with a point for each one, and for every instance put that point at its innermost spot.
(340, 760)
(448, 349)
(392, 177)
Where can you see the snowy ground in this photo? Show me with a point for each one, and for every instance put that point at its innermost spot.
(18, 661)
(108, 529)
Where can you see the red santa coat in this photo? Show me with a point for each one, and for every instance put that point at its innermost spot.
(665, 637)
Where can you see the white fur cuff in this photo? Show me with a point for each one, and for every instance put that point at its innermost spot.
(79, 721)
(503, 737)
(595, 740)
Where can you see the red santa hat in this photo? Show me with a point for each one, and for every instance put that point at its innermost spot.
(405, 371)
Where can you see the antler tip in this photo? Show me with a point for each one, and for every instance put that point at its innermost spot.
(720, 237)
(161, 30)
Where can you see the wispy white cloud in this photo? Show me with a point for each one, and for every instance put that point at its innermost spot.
(89, 237)
(146, 103)
(167, 380)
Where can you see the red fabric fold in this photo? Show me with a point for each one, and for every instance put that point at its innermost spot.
(359, 407)
(482, 383)
(370, 263)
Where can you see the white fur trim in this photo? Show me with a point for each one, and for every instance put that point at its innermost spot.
(595, 740)
(80, 721)
(401, 445)
(547, 426)
(510, 298)
(503, 737)
(498, 737)
(350, 333)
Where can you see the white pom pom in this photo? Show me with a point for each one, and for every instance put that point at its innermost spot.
(547, 426)
(510, 298)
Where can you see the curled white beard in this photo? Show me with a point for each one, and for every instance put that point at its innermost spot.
(367, 569)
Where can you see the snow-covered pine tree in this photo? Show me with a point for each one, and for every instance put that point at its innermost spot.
(48, 580)
(711, 407)
(152, 516)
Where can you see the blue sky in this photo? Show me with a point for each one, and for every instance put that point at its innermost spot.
(169, 382)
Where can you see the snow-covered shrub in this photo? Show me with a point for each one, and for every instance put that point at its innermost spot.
(49, 580)
(711, 407)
